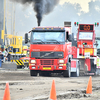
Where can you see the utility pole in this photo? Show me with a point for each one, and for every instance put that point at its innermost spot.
(3, 31)
(4, 16)
(14, 20)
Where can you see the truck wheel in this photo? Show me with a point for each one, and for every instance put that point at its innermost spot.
(33, 73)
(77, 73)
(67, 73)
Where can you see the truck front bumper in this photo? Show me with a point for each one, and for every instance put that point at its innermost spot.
(47, 67)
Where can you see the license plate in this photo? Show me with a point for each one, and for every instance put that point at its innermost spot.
(46, 68)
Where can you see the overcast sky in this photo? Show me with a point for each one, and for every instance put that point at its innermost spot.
(82, 11)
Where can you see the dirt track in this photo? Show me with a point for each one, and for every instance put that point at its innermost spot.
(24, 87)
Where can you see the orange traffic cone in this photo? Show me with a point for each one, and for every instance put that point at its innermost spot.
(89, 87)
(7, 92)
(53, 91)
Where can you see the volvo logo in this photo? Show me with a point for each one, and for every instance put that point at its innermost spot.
(60, 55)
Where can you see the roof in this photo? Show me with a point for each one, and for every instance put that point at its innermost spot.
(48, 29)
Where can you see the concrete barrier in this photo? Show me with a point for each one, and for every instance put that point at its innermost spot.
(9, 66)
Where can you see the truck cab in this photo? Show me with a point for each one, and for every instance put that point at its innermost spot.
(50, 50)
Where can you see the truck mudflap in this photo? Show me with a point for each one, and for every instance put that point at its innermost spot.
(75, 68)
(89, 67)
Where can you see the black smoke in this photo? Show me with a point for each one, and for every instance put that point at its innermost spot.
(41, 7)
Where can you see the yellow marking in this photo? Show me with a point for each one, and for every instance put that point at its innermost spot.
(64, 64)
(46, 68)
(18, 62)
(27, 60)
(21, 62)
(83, 57)
(15, 62)
(89, 50)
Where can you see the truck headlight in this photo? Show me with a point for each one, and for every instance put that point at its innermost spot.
(33, 61)
(61, 61)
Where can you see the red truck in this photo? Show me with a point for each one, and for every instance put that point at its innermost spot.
(86, 50)
(51, 51)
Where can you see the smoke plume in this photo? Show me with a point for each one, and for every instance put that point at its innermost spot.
(41, 7)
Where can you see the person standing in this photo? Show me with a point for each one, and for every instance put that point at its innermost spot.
(8, 56)
(5, 55)
(1, 56)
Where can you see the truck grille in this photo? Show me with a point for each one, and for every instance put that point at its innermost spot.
(47, 62)
(47, 55)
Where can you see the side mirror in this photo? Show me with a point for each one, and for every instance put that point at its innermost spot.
(26, 38)
(96, 43)
(70, 38)
(74, 40)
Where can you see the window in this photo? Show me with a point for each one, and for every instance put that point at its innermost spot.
(85, 35)
(13, 40)
(48, 37)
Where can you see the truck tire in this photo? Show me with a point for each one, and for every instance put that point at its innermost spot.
(67, 73)
(77, 73)
(33, 73)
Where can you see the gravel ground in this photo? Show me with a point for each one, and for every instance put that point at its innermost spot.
(24, 87)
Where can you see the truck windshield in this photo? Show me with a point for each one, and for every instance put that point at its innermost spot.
(47, 37)
(85, 35)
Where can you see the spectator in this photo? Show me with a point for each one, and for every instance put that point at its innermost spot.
(8, 56)
(5, 55)
(1, 56)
